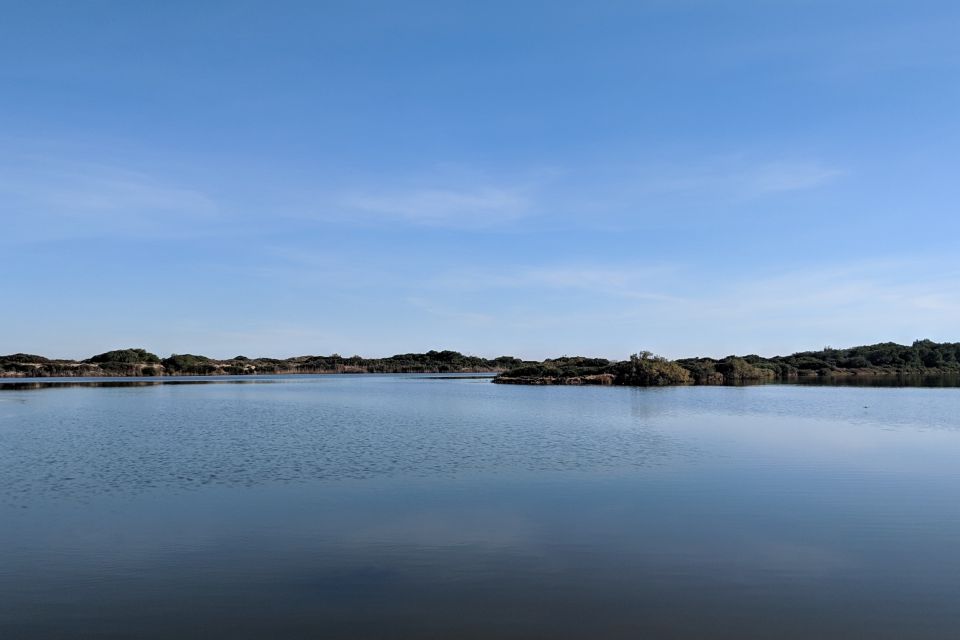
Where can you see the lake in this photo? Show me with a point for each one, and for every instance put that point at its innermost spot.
(449, 507)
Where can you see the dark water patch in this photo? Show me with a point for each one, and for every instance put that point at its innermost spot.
(943, 381)
(26, 384)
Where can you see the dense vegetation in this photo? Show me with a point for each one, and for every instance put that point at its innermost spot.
(923, 357)
(642, 370)
(139, 362)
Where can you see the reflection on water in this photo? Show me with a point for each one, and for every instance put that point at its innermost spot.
(885, 381)
(17, 384)
(127, 440)
(411, 507)
(21, 384)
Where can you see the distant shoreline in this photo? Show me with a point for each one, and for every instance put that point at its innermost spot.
(142, 363)
(80, 372)
(6, 375)
(884, 360)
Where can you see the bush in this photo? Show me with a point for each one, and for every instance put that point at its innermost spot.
(190, 364)
(856, 362)
(650, 371)
(128, 356)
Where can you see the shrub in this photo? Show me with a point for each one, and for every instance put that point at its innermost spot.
(128, 356)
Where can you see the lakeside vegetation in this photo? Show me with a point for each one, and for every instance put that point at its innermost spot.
(139, 362)
(922, 358)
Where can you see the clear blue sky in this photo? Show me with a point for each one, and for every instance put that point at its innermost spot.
(531, 178)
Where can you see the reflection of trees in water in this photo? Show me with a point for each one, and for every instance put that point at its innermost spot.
(60, 384)
(883, 381)
(647, 403)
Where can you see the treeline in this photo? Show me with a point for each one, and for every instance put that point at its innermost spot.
(139, 362)
(922, 358)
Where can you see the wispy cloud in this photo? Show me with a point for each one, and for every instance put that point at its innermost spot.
(843, 50)
(668, 309)
(441, 310)
(481, 206)
(57, 196)
(571, 197)
(109, 191)
(881, 292)
(621, 281)
(46, 198)
(737, 177)
(780, 177)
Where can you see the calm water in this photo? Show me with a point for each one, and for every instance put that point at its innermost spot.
(411, 507)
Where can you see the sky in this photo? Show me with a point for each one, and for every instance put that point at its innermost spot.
(527, 178)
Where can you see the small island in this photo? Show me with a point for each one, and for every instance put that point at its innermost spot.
(644, 369)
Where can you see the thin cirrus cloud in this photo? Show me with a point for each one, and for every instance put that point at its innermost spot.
(735, 178)
(445, 207)
(46, 199)
(446, 312)
(781, 177)
(110, 191)
(895, 291)
(572, 191)
(842, 52)
(91, 198)
(614, 281)
(842, 305)
(774, 312)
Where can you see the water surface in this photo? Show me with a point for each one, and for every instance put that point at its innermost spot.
(419, 507)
